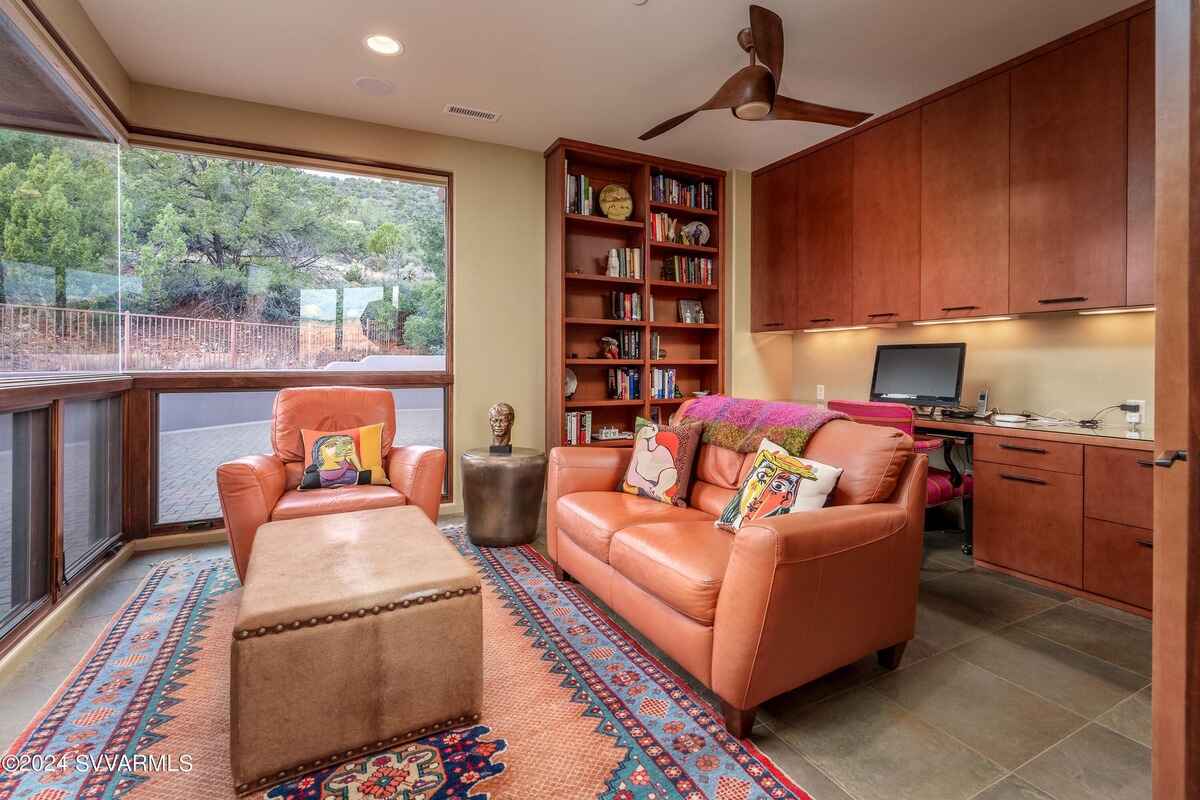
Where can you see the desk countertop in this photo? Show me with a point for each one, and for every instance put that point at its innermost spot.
(1108, 436)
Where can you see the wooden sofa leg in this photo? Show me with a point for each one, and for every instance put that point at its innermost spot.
(889, 657)
(738, 721)
(562, 575)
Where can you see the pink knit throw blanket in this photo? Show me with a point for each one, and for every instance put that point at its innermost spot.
(741, 425)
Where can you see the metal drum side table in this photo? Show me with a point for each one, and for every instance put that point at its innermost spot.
(502, 495)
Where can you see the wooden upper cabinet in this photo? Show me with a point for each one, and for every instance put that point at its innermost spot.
(773, 250)
(887, 221)
(823, 224)
(964, 202)
(1139, 284)
(1069, 176)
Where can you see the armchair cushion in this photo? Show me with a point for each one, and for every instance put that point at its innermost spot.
(328, 408)
(682, 564)
(295, 504)
(352, 457)
(590, 519)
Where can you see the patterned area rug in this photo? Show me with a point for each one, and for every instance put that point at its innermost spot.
(573, 708)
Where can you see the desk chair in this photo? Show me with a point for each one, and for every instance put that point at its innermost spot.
(943, 486)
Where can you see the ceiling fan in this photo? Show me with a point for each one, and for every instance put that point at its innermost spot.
(751, 93)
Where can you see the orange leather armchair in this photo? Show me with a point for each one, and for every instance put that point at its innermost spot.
(259, 489)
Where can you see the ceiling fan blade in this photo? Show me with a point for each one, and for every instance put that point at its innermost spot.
(800, 111)
(767, 28)
(663, 127)
(746, 85)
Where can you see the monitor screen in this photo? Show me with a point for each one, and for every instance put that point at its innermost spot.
(919, 374)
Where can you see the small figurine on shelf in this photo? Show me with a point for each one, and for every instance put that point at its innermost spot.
(614, 264)
(677, 392)
(609, 347)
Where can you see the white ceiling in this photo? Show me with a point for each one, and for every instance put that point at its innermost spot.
(598, 70)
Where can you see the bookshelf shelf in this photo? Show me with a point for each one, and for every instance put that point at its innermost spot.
(683, 248)
(685, 210)
(579, 292)
(594, 219)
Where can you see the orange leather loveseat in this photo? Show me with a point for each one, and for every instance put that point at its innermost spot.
(259, 489)
(776, 605)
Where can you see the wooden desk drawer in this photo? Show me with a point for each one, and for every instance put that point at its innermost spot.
(1036, 453)
(1117, 562)
(1116, 488)
(1030, 520)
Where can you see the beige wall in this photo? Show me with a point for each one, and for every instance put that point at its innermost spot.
(499, 241)
(760, 364)
(1066, 365)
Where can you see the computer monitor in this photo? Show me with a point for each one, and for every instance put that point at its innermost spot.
(919, 374)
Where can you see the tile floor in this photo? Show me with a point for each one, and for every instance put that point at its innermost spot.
(1009, 692)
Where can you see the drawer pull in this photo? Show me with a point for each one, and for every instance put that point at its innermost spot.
(772, 324)
(1049, 301)
(959, 308)
(822, 319)
(1168, 457)
(1022, 449)
(1145, 462)
(1147, 543)
(882, 314)
(1022, 479)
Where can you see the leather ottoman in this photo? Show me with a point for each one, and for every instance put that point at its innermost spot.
(356, 632)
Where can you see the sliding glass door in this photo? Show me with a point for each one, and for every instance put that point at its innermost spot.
(24, 515)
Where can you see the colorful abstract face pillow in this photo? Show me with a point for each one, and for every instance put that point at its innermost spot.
(343, 458)
(778, 484)
(661, 466)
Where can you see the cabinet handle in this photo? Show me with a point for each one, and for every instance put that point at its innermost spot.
(822, 319)
(882, 314)
(1022, 479)
(959, 308)
(772, 324)
(1020, 449)
(1145, 462)
(1168, 457)
(1147, 543)
(1049, 301)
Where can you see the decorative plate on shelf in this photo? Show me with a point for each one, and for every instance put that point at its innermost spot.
(616, 202)
(570, 383)
(696, 233)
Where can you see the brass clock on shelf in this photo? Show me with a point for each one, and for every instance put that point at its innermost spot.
(615, 201)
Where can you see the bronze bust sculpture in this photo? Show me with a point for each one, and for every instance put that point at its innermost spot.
(500, 419)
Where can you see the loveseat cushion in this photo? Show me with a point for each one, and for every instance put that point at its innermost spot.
(871, 457)
(682, 564)
(295, 504)
(590, 519)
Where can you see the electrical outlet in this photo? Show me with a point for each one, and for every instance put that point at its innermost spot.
(820, 391)
(1135, 417)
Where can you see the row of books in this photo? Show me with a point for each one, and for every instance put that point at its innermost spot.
(580, 195)
(629, 344)
(624, 262)
(669, 190)
(625, 383)
(662, 383)
(688, 269)
(579, 427)
(663, 228)
(626, 305)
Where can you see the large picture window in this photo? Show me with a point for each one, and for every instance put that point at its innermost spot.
(223, 264)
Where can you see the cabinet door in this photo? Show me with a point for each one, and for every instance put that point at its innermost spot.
(1069, 176)
(823, 222)
(1030, 520)
(1118, 562)
(1139, 284)
(773, 250)
(964, 202)
(887, 221)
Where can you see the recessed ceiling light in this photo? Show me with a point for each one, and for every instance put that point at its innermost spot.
(376, 87)
(384, 45)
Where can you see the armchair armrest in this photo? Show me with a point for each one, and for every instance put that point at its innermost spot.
(249, 488)
(580, 469)
(417, 472)
(809, 592)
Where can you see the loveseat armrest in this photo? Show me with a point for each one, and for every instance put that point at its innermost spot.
(580, 469)
(809, 592)
(248, 488)
(418, 472)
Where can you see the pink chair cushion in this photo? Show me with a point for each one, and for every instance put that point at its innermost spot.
(938, 488)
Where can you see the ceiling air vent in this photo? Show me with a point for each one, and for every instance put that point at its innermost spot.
(472, 113)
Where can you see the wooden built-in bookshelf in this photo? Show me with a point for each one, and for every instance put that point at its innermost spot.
(578, 290)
